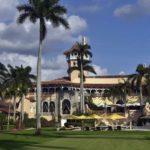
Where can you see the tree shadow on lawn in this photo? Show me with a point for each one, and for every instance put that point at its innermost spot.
(109, 137)
(53, 135)
(99, 136)
(32, 134)
(17, 145)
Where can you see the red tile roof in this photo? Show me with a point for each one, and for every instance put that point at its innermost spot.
(74, 47)
(65, 81)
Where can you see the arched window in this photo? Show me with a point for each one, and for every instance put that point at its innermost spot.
(45, 90)
(45, 106)
(66, 106)
(52, 107)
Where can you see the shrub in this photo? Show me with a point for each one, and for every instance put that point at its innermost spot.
(3, 120)
(30, 122)
(46, 123)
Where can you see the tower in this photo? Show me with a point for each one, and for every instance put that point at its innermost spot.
(72, 56)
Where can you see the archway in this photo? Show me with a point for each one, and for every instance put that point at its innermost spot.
(45, 106)
(66, 106)
(52, 107)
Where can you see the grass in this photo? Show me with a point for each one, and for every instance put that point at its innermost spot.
(80, 140)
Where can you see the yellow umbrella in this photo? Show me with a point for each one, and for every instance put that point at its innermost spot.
(108, 101)
(71, 117)
(115, 117)
(83, 117)
(94, 116)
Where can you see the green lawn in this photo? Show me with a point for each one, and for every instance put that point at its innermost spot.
(79, 140)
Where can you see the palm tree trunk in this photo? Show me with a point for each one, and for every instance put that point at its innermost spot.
(81, 89)
(14, 111)
(38, 87)
(8, 118)
(125, 101)
(22, 111)
(141, 99)
(105, 108)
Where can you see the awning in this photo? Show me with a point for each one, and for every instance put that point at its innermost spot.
(133, 101)
(99, 101)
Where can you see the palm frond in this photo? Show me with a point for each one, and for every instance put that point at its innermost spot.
(25, 8)
(57, 20)
(61, 10)
(88, 53)
(73, 69)
(22, 17)
(89, 69)
(86, 62)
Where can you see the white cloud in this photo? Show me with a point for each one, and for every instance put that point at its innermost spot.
(142, 7)
(99, 70)
(8, 9)
(24, 38)
(16, 41)
(51, 69)
(122, 73)
(55, 63)
(16, 59)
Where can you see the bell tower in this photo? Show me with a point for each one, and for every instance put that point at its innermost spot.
(72, 56)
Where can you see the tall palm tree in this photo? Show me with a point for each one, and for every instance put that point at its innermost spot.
(42, 11)
(138, 79)
(82, 65)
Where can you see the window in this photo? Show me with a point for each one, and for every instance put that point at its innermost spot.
(52, 107)
(66, 106)
(74, 63)
(44, 90)
(45, 106)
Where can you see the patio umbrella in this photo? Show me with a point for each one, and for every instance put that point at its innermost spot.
(97, 117)
(71, 117)
(84, 117)
(116, 117)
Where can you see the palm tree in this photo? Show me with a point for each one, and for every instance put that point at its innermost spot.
(42, 10)
(138, 79)
(2, 80)
(12, 82)
(25, 79)
(82, 65)
(9, 87)
(125, 88)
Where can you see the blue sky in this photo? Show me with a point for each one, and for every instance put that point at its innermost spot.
(118, 32)
(118, 43)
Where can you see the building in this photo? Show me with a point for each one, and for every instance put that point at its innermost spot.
(61, 97)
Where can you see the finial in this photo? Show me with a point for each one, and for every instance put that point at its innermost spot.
(83, 40)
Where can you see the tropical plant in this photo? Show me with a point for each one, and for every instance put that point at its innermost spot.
(42, 10)
(139, 79)
(8, 84)
(15, 81)
(25, 79)
(125, 88)
(83, 64)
